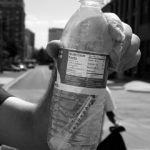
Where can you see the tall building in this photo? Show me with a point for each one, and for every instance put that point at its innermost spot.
(136, 13)
(55, 33)
(1, 39)
(29, 44)
(13, 18)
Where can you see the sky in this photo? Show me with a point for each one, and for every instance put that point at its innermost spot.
(43, 14)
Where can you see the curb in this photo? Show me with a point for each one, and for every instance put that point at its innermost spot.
(7, 86)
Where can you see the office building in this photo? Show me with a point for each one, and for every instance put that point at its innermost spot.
(55, 33)
(13, 18)
(1, 39)
(29, 44)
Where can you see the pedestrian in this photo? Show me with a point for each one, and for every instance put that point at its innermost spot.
(110, 108)
(24, 125)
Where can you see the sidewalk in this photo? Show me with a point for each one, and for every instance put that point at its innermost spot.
(138, 86)
(132, 86)
(5, 80)
(9, 77)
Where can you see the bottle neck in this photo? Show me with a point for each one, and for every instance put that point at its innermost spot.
(92, 3)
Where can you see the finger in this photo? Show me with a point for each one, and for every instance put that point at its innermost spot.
(115, 27)
(116, 31)
(131, 52)
(53, 48)
(132, 49)
(132, 62)
(53, 79)
(128, 37)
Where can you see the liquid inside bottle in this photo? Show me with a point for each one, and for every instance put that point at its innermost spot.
(77, 105)
(87, 29)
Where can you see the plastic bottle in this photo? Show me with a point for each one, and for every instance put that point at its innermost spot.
(77, 105)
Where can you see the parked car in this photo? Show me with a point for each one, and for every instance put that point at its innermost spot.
(30, 65)
(15, 68)
(22, 67)
(11, 67)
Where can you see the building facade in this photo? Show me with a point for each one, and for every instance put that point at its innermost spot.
(29, 44)
(13, 27)
(55, 33)
(1, 40)
(137, 14)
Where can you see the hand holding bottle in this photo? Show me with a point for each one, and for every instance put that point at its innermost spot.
(87, 40)
(130, 54)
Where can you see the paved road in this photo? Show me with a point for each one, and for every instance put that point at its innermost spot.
(33, 85)
(133, 109)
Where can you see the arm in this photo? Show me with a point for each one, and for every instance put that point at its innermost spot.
(23, 124)
(15, 119)
(16, 122)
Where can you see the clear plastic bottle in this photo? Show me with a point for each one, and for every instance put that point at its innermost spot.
(77, 105)
(87, 29)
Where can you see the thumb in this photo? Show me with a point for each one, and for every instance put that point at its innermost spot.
(115, 26)
(53, 48)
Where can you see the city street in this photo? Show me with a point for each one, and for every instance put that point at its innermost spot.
(134, 113)
(133, 108)
(31, 86)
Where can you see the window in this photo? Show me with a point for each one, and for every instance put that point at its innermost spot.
(17, 12)
(146, 55)
(17, 18)
(133, 22)
(116, 7)
(121, 8)
(145, 12)
(126, 6)
(133, 3)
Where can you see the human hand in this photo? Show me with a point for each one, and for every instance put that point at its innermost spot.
(130, 54)
(125, 59)
(118, 128)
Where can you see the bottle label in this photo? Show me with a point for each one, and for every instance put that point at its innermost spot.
(83, 68)
(77, 105)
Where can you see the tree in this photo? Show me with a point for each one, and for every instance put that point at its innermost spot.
(43, 57)
(11, 48)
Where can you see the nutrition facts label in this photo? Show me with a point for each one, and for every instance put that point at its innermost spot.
(83, 68)
(86, 65)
